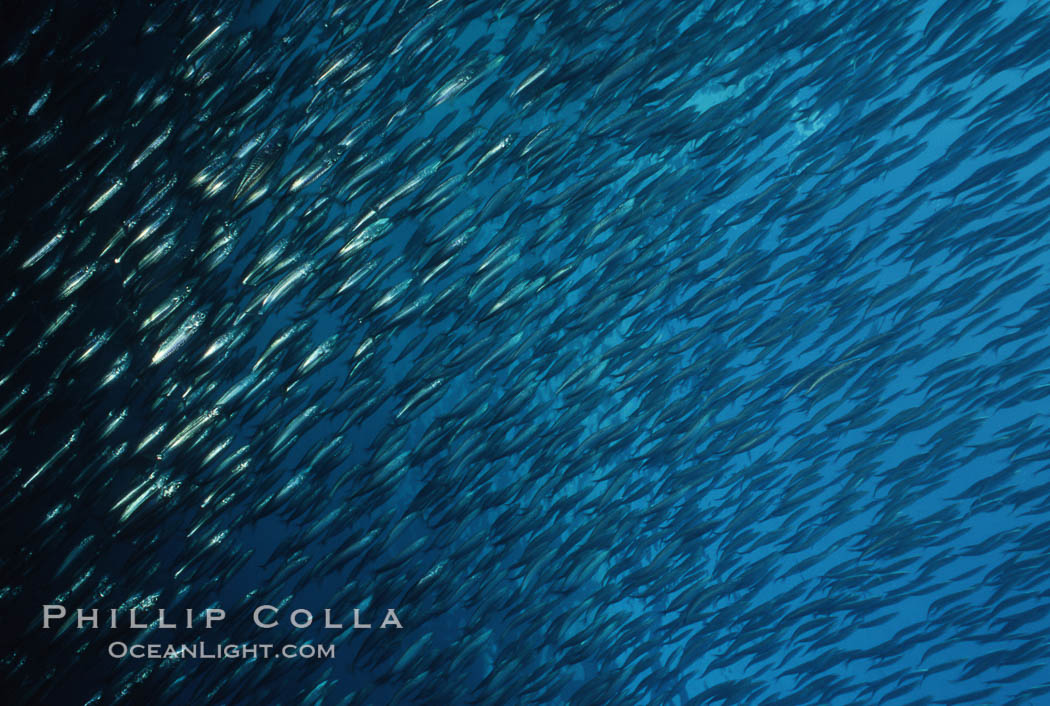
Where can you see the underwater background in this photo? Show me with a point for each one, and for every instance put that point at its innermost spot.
(632, 352)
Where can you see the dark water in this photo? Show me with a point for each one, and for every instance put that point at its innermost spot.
(627, 352)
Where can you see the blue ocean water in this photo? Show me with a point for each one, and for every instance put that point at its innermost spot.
(632, 353)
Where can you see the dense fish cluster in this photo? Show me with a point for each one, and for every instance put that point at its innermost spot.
(635, 353)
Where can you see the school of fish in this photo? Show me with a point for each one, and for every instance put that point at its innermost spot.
(635, 353)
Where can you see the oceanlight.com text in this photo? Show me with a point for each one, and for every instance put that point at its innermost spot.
(203, 650)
